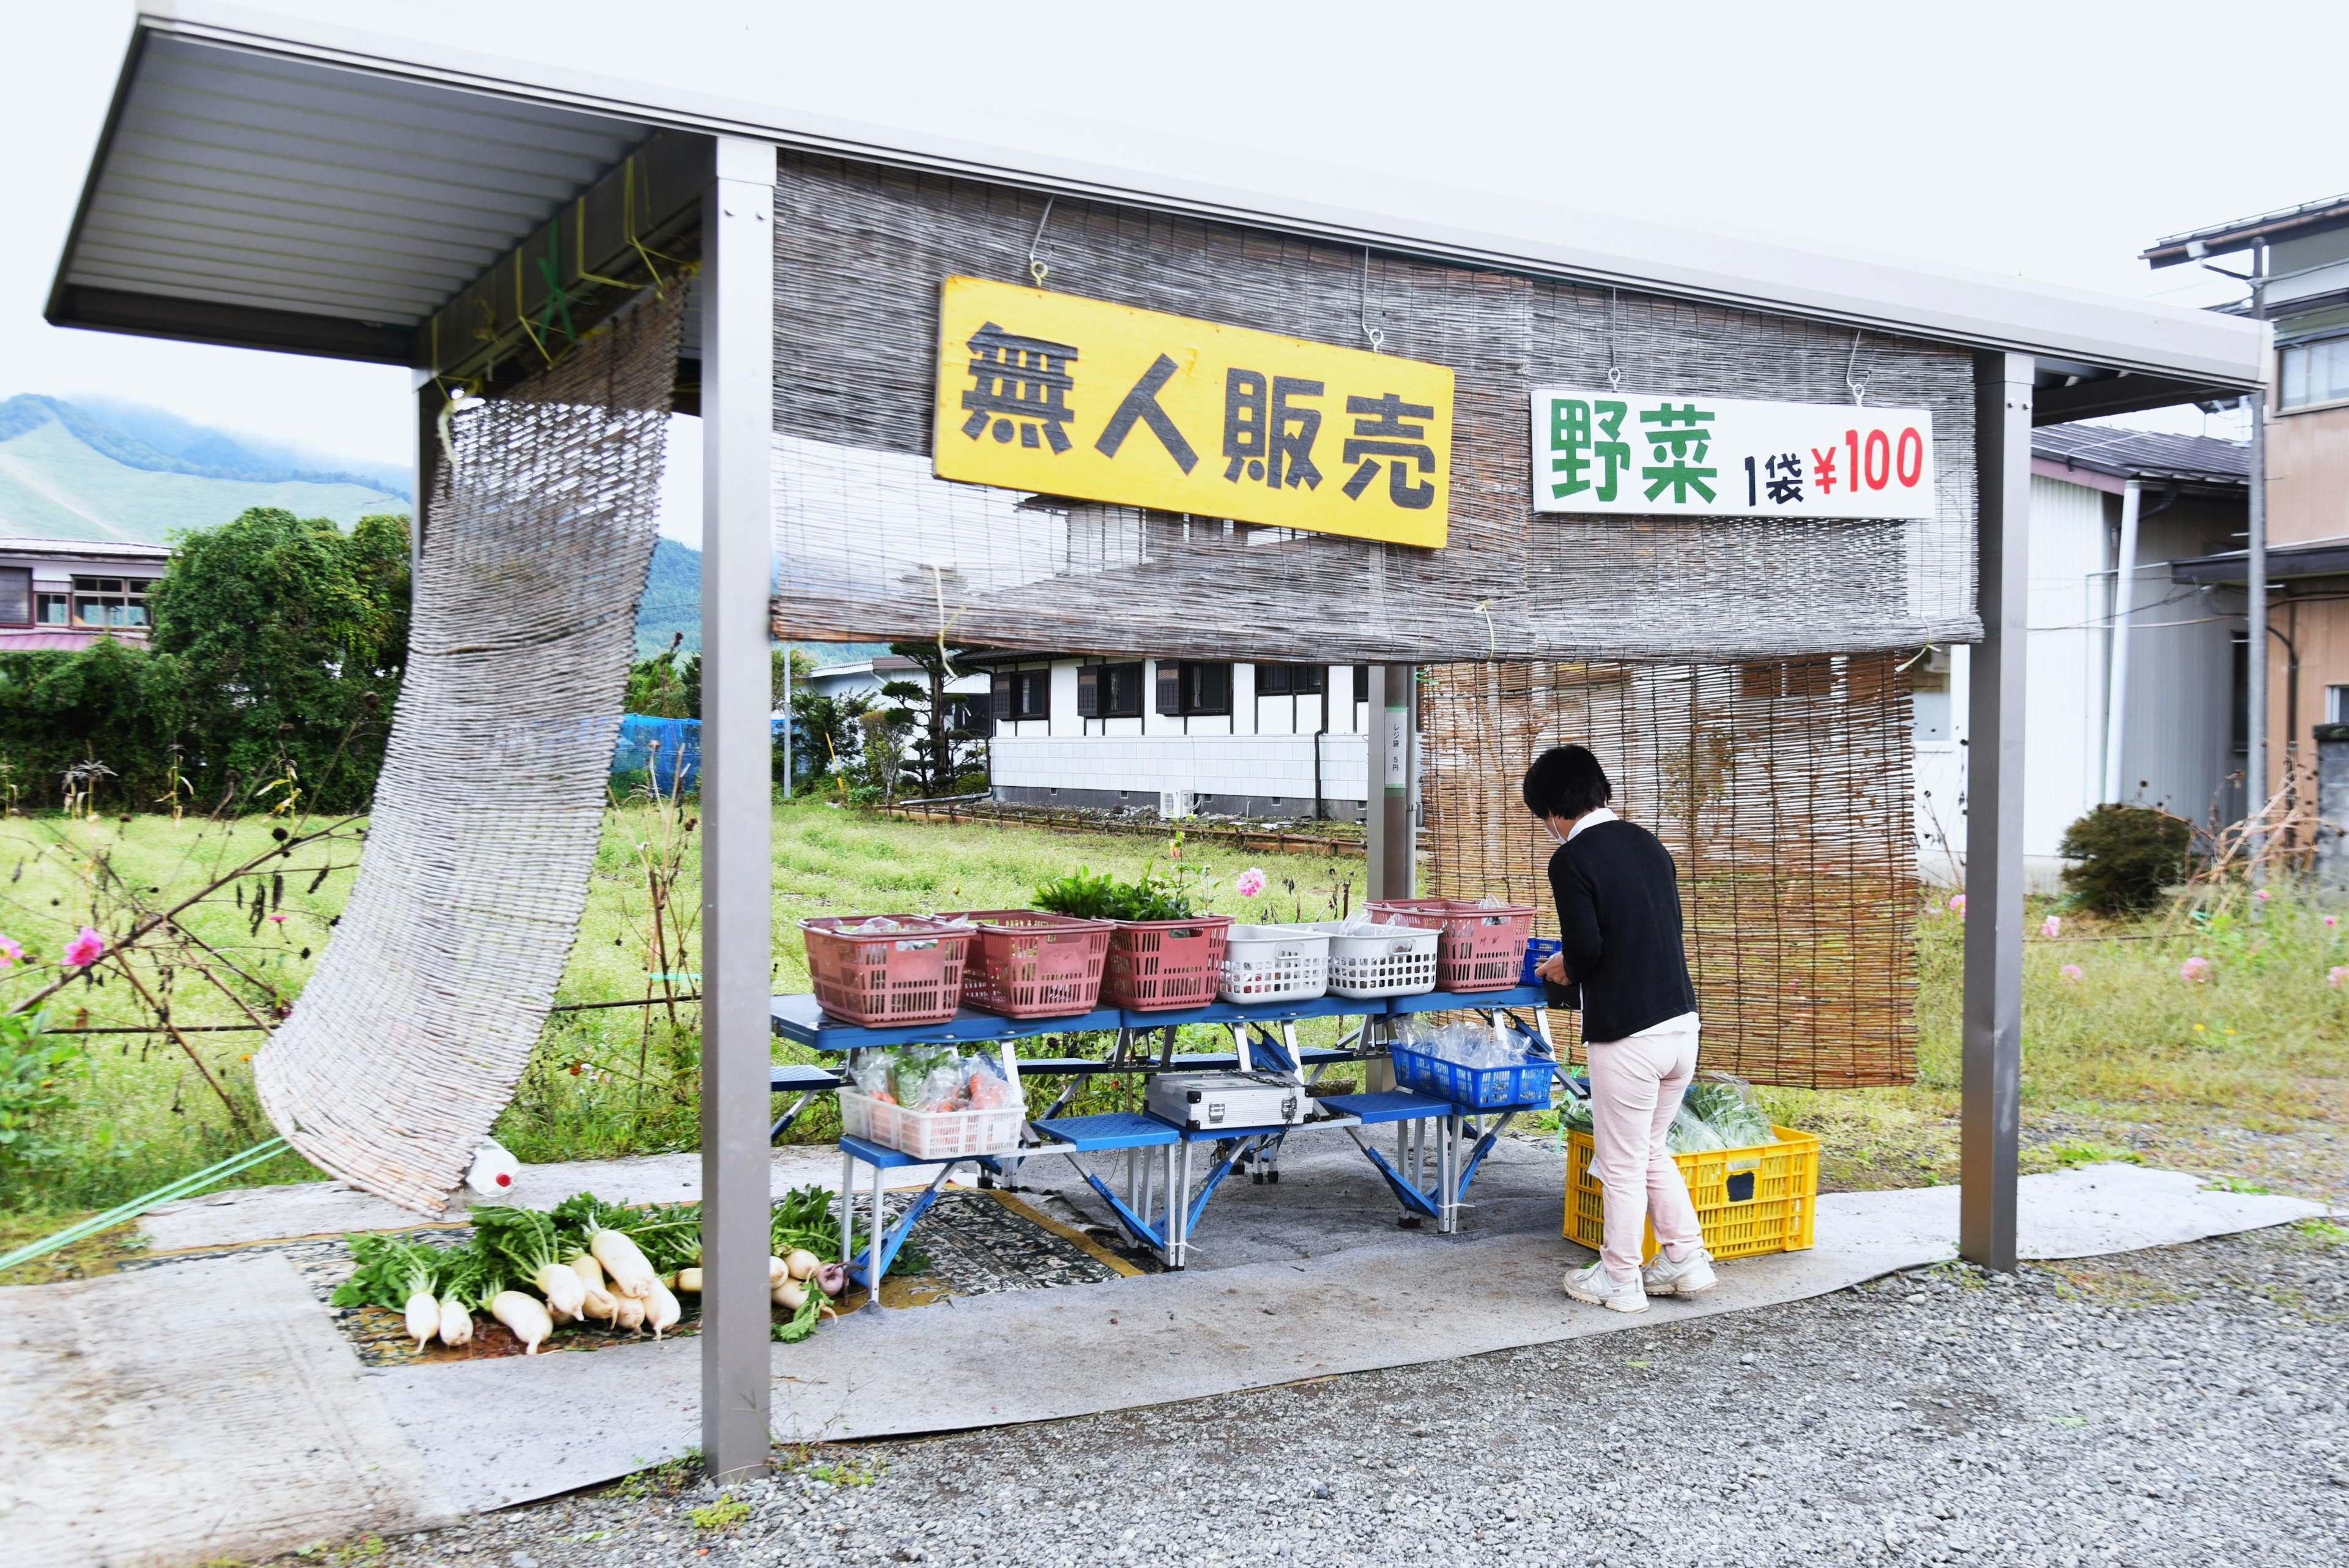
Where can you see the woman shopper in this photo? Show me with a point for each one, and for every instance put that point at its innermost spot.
(1619, 919)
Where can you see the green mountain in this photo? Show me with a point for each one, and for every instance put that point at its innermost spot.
(672, 604)
(68, 471)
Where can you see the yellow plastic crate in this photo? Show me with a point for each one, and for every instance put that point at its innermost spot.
(1749, 1201)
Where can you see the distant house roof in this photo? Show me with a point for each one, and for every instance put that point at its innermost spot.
(2311, 558)
(2308, 218)
(2086, 455)
(88, 549)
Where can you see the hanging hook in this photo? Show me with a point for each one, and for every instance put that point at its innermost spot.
(1614, 360)
(1036, 267)
(1492, 638)
(1378, 339)
(1851, 377)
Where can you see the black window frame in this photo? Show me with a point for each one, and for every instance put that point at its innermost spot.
(1017, 696)
(1283, 680)
(1098, 691)
(1180, 685)
(9, 577)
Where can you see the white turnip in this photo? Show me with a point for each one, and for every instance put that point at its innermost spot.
(423, 1317)
(801, 1263)
(790, 1295)
(456, 1323)
(624, 1263)
(688, 1281)
(661, 1309)
(777, 1271)
(525, 1314)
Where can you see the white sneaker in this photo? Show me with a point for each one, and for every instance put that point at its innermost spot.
(1600, 1288)
(1662, 1277)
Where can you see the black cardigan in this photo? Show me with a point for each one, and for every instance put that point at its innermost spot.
(1618, 915)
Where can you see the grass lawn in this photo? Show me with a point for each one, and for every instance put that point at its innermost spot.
(2240, 1076)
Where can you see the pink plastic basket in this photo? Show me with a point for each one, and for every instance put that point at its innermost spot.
(1025, 963)
(1155, 965)
(910, 975)
(1483, 947)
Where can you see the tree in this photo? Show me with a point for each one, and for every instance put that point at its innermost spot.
(112, 703)
(943, 749)
(825, 734)
(664, 686)
(290, 639)
(2124, 857)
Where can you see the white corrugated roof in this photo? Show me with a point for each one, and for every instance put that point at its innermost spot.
(391, 162)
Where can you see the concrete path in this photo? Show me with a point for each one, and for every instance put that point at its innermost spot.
(272, 1440)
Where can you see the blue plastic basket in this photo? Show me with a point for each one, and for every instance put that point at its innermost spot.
(1527, 1083)
(1537, 950)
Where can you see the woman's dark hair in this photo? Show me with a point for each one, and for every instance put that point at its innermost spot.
(1566, 781)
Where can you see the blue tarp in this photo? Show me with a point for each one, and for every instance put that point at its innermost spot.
(678, 749)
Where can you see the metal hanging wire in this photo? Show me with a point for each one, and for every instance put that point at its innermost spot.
(1614, 359)
(1374, 336)
(1036, 267)
(1851, 376)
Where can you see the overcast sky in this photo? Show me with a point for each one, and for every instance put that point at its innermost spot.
(2049, 140)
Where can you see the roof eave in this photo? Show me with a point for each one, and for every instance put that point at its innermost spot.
(2206, 352)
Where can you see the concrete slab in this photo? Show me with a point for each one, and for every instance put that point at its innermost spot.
(199, 1412)
(244, 1215)
(1402, 1299)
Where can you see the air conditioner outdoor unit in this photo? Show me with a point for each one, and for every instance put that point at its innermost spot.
(1174, 803)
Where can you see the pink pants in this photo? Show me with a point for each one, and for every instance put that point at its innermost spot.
(1635, 1090)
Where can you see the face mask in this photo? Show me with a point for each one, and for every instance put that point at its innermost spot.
(1551, 828)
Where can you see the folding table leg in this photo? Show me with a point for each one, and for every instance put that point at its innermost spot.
(847, 1199)
(873, 1245)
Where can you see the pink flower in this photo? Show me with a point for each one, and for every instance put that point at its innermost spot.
(1957, 903)
(2338, 976)
(2261, 894)
(2051, 926)
(277, 916)
(2330, 922)
(85, 948)
(2196, 968)
(2071, 973)
(12, 954)
(1248, 883)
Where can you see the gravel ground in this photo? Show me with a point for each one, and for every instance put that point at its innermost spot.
(2183, 1406)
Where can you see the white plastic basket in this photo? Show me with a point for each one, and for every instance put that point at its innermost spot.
(1390, 960)
(1275, 963)
(929, 1135)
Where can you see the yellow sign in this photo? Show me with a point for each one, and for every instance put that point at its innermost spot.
(1063, 396)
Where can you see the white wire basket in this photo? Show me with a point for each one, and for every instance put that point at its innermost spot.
(929, 1135)
(1388, 960)
(1275, 963)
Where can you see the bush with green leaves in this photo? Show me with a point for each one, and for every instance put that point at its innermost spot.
(2124, 857)
(35, 1091)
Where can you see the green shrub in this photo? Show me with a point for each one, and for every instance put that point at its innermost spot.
(33, 1091)
(2125, 855)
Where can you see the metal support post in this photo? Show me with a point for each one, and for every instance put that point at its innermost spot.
(1993, 1071)
(1389, 817)
(2124, 605)
(736, 284)
(2255, 750)
(429, 401)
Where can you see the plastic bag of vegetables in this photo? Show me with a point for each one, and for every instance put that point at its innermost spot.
(1730, 1107)
(1690, 1134)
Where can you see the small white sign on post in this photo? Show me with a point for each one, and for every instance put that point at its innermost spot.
(1673, 455)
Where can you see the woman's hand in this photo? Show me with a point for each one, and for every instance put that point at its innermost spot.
(1552, 968)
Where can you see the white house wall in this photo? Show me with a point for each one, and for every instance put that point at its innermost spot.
(1257, 760)
(2180, 685)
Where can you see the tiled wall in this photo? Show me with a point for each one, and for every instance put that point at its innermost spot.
(1277, 766)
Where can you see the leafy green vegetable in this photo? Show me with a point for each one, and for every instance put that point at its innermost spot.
(389, 1272)
(802, 1323)
(1089, 897)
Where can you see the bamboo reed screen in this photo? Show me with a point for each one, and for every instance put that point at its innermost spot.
(1783, 791)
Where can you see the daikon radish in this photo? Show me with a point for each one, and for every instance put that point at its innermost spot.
(597, 1302)
(688, 1281)
(456, 1323)
(801, 1264)
(631, 1313)
(661, 1309)
(529, 1246)
(423, 1317)
(525, 1314)
(623, 1265)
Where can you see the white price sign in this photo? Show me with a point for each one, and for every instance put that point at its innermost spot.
(1596, 450)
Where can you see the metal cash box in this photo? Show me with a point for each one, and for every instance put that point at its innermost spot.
(1210, 1100)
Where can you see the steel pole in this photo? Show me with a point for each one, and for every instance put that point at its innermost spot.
(736, 284)
(2255, 750)
(1993, 1068)
(2124, 605)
